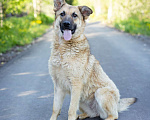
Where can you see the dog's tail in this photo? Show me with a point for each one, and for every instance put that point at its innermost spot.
(124, 103)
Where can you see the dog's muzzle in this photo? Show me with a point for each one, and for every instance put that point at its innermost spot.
(67, 28)
(67, 25)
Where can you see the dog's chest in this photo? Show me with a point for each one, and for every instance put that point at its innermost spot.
(65, 55)
(67, 61)
(62, 79)
(61, 69)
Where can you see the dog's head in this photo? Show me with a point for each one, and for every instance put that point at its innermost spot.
(70, 20)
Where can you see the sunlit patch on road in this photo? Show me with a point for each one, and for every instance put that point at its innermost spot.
(43, 74)
(26, 93)
(24, 73)
(2, 89)
(7, 116)
(47, 96)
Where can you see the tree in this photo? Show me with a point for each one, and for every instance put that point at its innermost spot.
(69, 2)
(72, 2)
(34, 8)
(97, 7)
(39, 2)
(1, 13)
(109, 15)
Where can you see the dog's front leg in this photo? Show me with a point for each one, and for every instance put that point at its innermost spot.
(59, 96)
(75, 98)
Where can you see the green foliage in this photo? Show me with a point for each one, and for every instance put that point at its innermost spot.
(132, 16)
(21, 31)
(72, 2)
(133, 26)
(16, 6)
(45, 19)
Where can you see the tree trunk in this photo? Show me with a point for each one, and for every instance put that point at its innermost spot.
(1, 14)
(109, 15)
(34, 8)
(39, 6)
(97, 7)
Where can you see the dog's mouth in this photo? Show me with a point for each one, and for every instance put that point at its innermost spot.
(68, 31)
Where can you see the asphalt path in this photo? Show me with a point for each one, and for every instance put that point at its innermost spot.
(26, 88)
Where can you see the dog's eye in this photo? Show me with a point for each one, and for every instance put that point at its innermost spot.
(62, 14)
(74, 15)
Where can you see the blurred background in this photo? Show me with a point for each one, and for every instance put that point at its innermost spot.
(23, 20)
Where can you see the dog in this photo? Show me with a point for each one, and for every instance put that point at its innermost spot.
(74, 70)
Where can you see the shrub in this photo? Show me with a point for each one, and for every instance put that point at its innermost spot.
(46, 19)
(22, 30)
(133, 26)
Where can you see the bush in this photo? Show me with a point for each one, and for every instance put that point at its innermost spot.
(21, 31)
(45, 19)
(133, 26)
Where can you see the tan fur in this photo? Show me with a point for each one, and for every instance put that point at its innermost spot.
(75, 71)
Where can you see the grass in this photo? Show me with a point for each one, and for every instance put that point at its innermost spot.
(131, 25)
(134, 26)
(21, 31)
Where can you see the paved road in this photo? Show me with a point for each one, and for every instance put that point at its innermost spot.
(26, 89)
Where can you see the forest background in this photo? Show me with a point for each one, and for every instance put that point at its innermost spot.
(21, 21)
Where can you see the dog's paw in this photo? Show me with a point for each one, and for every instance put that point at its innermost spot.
(82, 116)
(110, 118)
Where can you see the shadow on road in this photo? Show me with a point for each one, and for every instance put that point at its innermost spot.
(95, 118)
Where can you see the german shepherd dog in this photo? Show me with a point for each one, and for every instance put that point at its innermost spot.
(75, 71)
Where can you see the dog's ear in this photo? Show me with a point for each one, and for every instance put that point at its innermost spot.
(85, 11)
(58, 4)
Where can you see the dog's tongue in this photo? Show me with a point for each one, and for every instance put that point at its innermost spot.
(67, 34)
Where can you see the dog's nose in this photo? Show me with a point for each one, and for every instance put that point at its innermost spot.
(66, 23)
